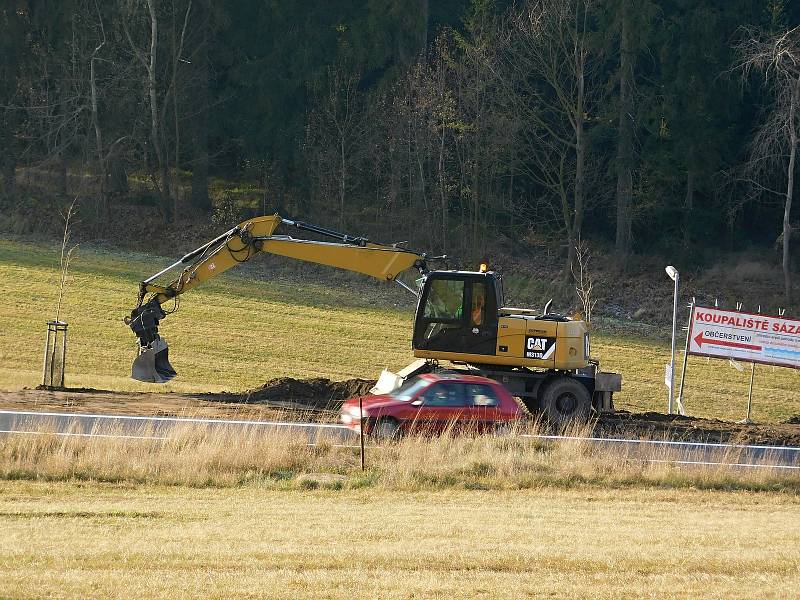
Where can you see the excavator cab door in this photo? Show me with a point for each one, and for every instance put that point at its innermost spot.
(457, 312)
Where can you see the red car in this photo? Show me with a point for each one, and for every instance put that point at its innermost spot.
(433, 403)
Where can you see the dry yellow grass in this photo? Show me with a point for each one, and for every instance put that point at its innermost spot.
(235, 333)
(108, 541)
(196, 455)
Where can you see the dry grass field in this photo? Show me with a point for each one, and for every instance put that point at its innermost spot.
(218, 515)
(89, 540)
(245, 328)
(196, 455)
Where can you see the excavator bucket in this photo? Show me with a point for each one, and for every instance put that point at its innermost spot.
(152, 364)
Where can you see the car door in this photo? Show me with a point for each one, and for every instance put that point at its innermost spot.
(484, 405)
(444, 405)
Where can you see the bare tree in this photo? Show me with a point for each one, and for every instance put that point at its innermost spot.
(776, 58)
(159, 88)
(66, 256)
(480, 129)
(550, 78)
(625, 134)
(335, 132)
(584, 281)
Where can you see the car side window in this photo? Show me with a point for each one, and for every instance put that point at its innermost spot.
(481, 395)
(444, 394)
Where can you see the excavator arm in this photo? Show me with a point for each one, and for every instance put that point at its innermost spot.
(238, 245)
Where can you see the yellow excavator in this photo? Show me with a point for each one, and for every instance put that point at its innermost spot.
(540, 357)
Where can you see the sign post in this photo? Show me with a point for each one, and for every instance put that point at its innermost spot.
(673, 274)
(685, 357)
(747, 420)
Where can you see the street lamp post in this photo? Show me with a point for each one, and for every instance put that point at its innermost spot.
(673, 274)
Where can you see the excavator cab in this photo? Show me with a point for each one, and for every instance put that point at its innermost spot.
(458, 312)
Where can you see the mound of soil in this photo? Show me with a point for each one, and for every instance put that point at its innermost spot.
(675, 427)
(318, 393)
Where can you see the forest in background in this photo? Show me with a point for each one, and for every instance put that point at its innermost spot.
(648, 127)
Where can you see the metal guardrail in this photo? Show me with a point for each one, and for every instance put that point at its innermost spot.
(789, 454)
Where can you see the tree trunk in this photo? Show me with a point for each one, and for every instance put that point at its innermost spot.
(105, 209)
(10, 175)
(61, 174)
(688, 207)
(424, 17)
(176, 188)
(580, 155)
(443, 192)
(787, 209)
(580, 179)
(117, 176)
(342, 179)
(177, 50)
(200, 200)
(624, 141)
(155, 131)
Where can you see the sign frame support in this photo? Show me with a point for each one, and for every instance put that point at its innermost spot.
(685, 358)
(747, 420)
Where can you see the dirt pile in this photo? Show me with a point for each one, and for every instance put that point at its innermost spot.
(319, 392)
(674, 427)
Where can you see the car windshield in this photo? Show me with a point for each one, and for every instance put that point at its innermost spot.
(409, 389)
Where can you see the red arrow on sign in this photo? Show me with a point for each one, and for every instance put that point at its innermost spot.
(700, 340)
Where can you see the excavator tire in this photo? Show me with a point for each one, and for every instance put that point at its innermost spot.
(565, 400)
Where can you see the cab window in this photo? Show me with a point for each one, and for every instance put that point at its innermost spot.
(478, 309)
(445, 300)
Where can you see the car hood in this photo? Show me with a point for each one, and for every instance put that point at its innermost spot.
(373, 401)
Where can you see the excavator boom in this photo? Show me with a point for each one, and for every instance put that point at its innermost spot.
(238, 245)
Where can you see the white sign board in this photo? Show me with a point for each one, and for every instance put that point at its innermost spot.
(668, 376)
(745, 336)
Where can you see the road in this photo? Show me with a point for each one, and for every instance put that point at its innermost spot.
(15, 422)
(158, 428)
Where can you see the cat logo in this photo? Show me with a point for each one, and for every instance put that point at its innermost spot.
(541, 348)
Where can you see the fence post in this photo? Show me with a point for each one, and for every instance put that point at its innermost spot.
(55, 354)
(361, 431)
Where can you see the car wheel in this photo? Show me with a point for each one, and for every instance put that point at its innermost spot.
(386, 429)
(565, 401)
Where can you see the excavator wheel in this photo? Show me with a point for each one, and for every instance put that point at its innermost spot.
(566, 401)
